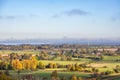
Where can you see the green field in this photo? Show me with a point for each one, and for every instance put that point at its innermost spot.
(62, 62)
(111, 58)
(20, 51)
(47, 73)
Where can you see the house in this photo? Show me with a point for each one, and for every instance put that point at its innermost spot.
(109, 49)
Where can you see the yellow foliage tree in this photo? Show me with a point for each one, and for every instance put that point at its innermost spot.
(74, 77)
(17, 65)
(33, 63)
(26, 64)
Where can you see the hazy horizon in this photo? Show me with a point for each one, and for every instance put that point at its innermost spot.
(51, 19)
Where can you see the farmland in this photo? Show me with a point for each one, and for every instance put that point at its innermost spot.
(46, 61)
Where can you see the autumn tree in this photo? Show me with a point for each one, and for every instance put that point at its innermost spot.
(54, 65)
(3, 65)
(41, 65)
(76, 67)
(50, 65)
(26, 64)
(54, 75)
(73, 68)
(73, 77)
(69, 67)
(33, 63)
(17, 65)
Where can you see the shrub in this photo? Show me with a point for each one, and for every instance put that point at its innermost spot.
(116, 70)
(63, 78)
(104, 66)
(108, 72)
(79, 78)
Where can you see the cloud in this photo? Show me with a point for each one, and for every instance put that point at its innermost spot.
(113, 18)
(33, 15)
(73, 12)
(55, 16)
(1, 17)
(10, 17)
(17, 16)
(116, 17)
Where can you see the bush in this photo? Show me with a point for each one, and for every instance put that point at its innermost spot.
(117, 60)
(83, 65)
(102, 73)
(116, 70)
(87, 71)
(54, 75)
(108, 72)
(63, 78)
(94, 70)
(89, 66)
(4, 77)
(104, 66)
(61, 66)
(79, 78)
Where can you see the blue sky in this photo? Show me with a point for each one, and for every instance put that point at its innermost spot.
(31, 19)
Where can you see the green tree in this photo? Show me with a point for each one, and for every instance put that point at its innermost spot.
(101, 57)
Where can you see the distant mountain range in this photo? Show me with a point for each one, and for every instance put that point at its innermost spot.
(62, 41)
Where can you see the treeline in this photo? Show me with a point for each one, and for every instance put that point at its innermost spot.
(46, 46)
(16, 64)
(49, 46)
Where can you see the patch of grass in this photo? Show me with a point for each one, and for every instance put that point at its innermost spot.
(57, 59)
(47, 73)
(62, 62)
(61, 74)
(19, 51)
(102, 64)
(105, 69)
(112, 77)
(111, 58)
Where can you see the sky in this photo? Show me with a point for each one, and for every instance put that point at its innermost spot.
(41, 19)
